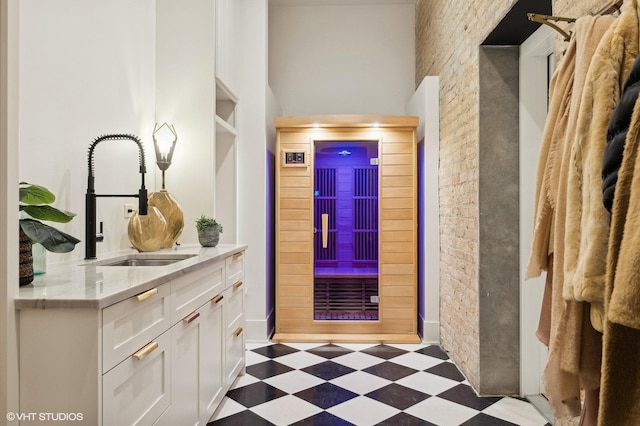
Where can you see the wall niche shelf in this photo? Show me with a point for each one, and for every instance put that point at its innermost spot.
(222, 127)
(226, 103)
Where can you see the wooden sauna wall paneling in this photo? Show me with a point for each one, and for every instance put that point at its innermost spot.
(397, 250)
(294, 242)
(398, 269)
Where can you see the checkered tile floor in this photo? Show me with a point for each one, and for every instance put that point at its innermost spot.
(361, 384)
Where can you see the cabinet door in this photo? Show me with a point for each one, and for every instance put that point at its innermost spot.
(234, 331)
(185, 343)
(137, 391)
(211, 358)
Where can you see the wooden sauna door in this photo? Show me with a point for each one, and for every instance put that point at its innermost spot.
(396, 237)
(346, 237)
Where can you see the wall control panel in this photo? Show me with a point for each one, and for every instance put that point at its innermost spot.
(294, 158)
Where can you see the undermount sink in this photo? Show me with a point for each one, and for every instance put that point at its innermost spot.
(143, 259)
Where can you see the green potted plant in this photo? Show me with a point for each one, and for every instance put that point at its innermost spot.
(35, 202)
(208, 231)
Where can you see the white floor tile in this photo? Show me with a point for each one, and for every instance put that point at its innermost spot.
(441, 412)
(363, 411)
(294, 381)
(300, 359)
(254, 358)
(255, 345)
(360, 382)
(227, 407)
(286, 410)
(428, 383)
(416, 360)
(305, 346)
(244, 380)
(408, 346)
(357, 346)
(516, 411)
(358, 360)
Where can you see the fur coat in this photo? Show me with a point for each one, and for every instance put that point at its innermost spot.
(620, 391)
(574, 347)
(617, 134)
(587, 221)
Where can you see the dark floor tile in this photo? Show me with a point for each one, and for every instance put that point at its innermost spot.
(390, 371)
(264, 370)
(275, 350)
(482, 419)
(397, 396)
(255, 394)
(464, 395)
(326, 395)
(323, 419)
(404, 419)
(243, 418)
(330, 351)
(384, 351)
(328, 370)
(433, 351)
(448, 370)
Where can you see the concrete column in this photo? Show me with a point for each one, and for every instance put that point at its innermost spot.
(498, 192)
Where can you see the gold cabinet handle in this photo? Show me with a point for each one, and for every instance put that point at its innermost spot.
(237, 256)
(147, 294)
(325, 229)
(238, 331)
(146, 350)
(217, 299)
(192, 316)
(237, 285)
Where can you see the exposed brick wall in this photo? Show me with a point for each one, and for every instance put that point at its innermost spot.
(448, 33)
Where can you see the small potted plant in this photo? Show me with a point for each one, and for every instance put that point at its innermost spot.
(208, 231)
(34, 201)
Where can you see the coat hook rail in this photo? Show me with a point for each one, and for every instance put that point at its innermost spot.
(613, 7)
(547, 20)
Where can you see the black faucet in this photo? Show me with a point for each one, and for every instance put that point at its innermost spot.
(90, 198)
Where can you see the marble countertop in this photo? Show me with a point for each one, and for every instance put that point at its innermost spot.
(87, 284)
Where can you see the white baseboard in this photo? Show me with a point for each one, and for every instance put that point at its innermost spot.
(257, 330)
(431, 332)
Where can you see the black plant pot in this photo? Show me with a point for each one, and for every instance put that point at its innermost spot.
(26, 260)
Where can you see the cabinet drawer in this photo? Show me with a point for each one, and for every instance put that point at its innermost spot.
(137, 391)
(235, 268)
(190, 292)
(129, 325)
(234, 308)
(234, 360)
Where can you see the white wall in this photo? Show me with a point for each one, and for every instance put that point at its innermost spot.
(425, 104)
(185, 90)
(534, 75)
(255, 105)
(335, 59)
(9, 385)
(87, 68)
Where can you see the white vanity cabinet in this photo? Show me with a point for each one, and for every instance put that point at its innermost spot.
(165, 356)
